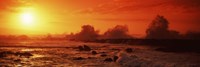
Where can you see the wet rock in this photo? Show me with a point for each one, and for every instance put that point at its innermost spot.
(115, 49)
(94, 52)
(129, 50)
(108, 60)
(17, 60)
(102, 52)
(80, 48)
(5, 53)
(78, 58)
(115, 58)
(2, 55)
(91, 58)
(25, 54)
(103, 55)
(86, 48)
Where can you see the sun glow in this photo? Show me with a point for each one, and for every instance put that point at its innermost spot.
(27, 18)
(30, 20)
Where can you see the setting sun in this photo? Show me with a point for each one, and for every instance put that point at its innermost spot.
(27, 18)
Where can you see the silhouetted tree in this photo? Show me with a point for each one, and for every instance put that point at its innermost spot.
(159, 29)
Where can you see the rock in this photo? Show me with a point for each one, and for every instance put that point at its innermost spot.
(17, 60)
(86, 48)
(102, 52)
(103, 55)
(25, 54)
(80, 48)
(91, 58)
(5, 53)
(128, 50)
(2, 55)
(108, 60)
(115, 49)
(94, 52)
(78, 58)
(115, 58)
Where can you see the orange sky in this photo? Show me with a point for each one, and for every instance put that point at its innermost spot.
(65, 16)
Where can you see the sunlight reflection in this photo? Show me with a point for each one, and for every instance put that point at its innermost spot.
(37, 56)
(27, 50)
(31, 49)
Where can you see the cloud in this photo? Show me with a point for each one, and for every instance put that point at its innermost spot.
(118, 32)
(8, 4)
(186, 3)
(120, 6)
(119, 19)
(87, 33)
(159, 29)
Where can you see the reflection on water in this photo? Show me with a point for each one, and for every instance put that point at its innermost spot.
(30, 49)
(37, 56)
(73, 57)
(27, 50)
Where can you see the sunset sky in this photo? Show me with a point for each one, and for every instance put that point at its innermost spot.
(65, 16)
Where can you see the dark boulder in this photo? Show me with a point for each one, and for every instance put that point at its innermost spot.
(129, 50)
(86, 48)
(108, 60)
(17, 60)
(103, 55)
(115, 58)
(5, 53)
(80, 48)
(78, 58)
(25, 54)
(94, 52)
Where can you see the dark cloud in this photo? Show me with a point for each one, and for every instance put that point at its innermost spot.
(87, 33)
(159, 29)
(118, 32)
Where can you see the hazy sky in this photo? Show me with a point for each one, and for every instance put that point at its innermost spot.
(65, 16)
